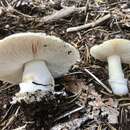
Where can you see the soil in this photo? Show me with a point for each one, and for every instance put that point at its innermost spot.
(83, 86)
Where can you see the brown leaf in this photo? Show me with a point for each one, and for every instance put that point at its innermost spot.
(74, 85)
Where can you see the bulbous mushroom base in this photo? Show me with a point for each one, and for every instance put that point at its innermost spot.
(31, 92)
(37, 81)
(29, 97)
(119, 87)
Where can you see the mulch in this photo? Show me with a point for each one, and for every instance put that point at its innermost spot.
(82, 92)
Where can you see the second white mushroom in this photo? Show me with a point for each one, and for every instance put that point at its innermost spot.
(114, 51)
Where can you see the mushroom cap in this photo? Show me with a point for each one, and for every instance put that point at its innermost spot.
(120, 47)
(18, 49)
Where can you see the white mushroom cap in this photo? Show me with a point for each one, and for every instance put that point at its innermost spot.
(18, 49)
(120, 47)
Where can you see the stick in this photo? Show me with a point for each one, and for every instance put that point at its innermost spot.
(10, 8)
(93, 24)
(99, 81)
(72, 124)
(12, 119)
(21, 127)
(71, 112)
(61, 14)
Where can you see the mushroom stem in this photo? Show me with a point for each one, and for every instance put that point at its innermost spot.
(116, 77)
(36, 76)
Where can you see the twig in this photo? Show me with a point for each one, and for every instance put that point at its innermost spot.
(10, 8)
(4, 85)
(124, 99)
(61, 14)
(11, 120)
(86, 11)
(71, 125)
(110, 126)
(7, 112)
(21, 127)
(99, 81)
(71, 112)
(93, 24)
(9, 86)
(124, 104)
(73, 73)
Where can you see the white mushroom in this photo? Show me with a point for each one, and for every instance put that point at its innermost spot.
(33, 60)
(114, 51)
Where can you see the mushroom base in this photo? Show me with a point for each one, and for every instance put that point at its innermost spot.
(116, 77)
(37, 82)
(29, 97)
(119, 87)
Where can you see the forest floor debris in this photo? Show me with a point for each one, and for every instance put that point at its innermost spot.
(84, 91)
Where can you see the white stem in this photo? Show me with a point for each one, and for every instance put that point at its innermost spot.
(116, 77)
(36, 76)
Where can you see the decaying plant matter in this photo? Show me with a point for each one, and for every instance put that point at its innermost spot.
(84, 91)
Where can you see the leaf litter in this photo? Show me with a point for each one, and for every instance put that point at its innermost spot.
(83, 98)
